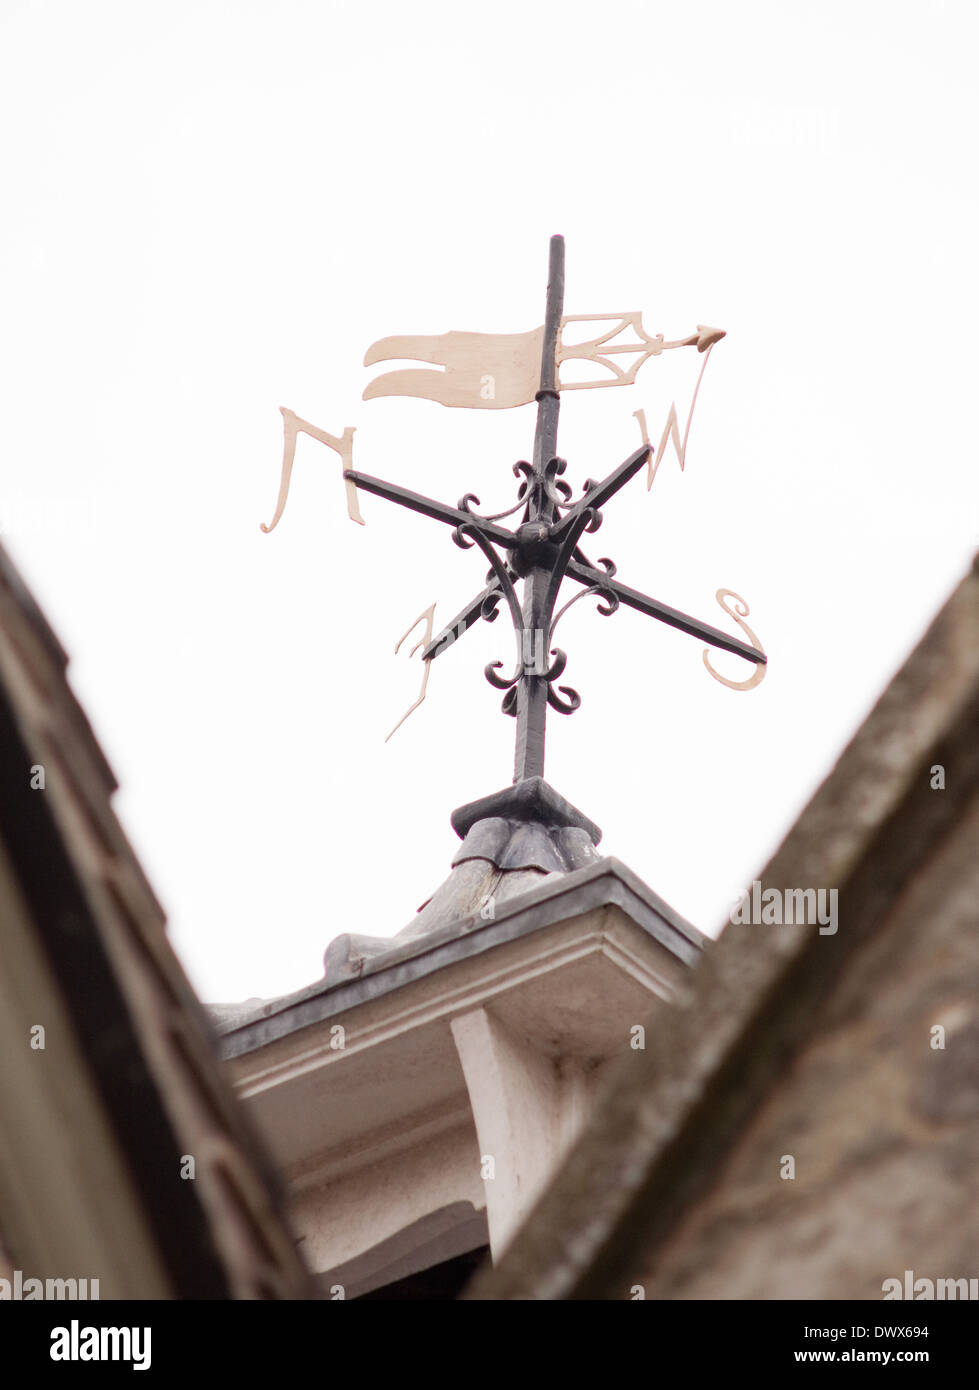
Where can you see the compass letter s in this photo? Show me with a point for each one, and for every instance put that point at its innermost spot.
(739, 612)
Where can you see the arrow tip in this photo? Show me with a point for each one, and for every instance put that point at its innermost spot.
(707, 336)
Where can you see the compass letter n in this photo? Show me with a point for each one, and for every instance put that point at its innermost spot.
(344, 446)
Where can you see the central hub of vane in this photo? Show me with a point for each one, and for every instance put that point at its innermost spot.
(534, 548)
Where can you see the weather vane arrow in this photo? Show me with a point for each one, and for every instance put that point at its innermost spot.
(486, 371)
(497, 371)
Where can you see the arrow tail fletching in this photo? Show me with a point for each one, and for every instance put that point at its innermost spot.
(481, 371)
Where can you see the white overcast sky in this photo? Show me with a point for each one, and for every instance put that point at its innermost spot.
(212, 209)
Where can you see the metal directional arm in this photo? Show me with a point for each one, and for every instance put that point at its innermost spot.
(438, 511)
(642, 603)
(461, 623)
(632, 598)
(597, 496)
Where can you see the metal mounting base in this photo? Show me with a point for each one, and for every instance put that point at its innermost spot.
(533, 799)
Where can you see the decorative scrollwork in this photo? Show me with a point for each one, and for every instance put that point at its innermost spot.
(596, 517)
(466, 535)
(522, 469)
(568, 546)
(465, 505)
(557, 666)
(552, 485)
(533, 488)
(556, 669)
(609, 599)
(568, 706)
(611, 603)
(498, 682)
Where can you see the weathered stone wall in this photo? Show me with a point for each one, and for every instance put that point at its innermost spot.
(882, 1125)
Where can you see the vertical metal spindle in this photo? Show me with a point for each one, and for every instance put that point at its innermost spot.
(532, 689)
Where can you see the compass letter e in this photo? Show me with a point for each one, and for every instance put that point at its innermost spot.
(344, 446)
(428, 618)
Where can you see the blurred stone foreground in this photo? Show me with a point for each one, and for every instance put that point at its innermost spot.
(855, 1055)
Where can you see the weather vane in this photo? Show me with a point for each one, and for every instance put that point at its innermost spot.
(485, 371)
